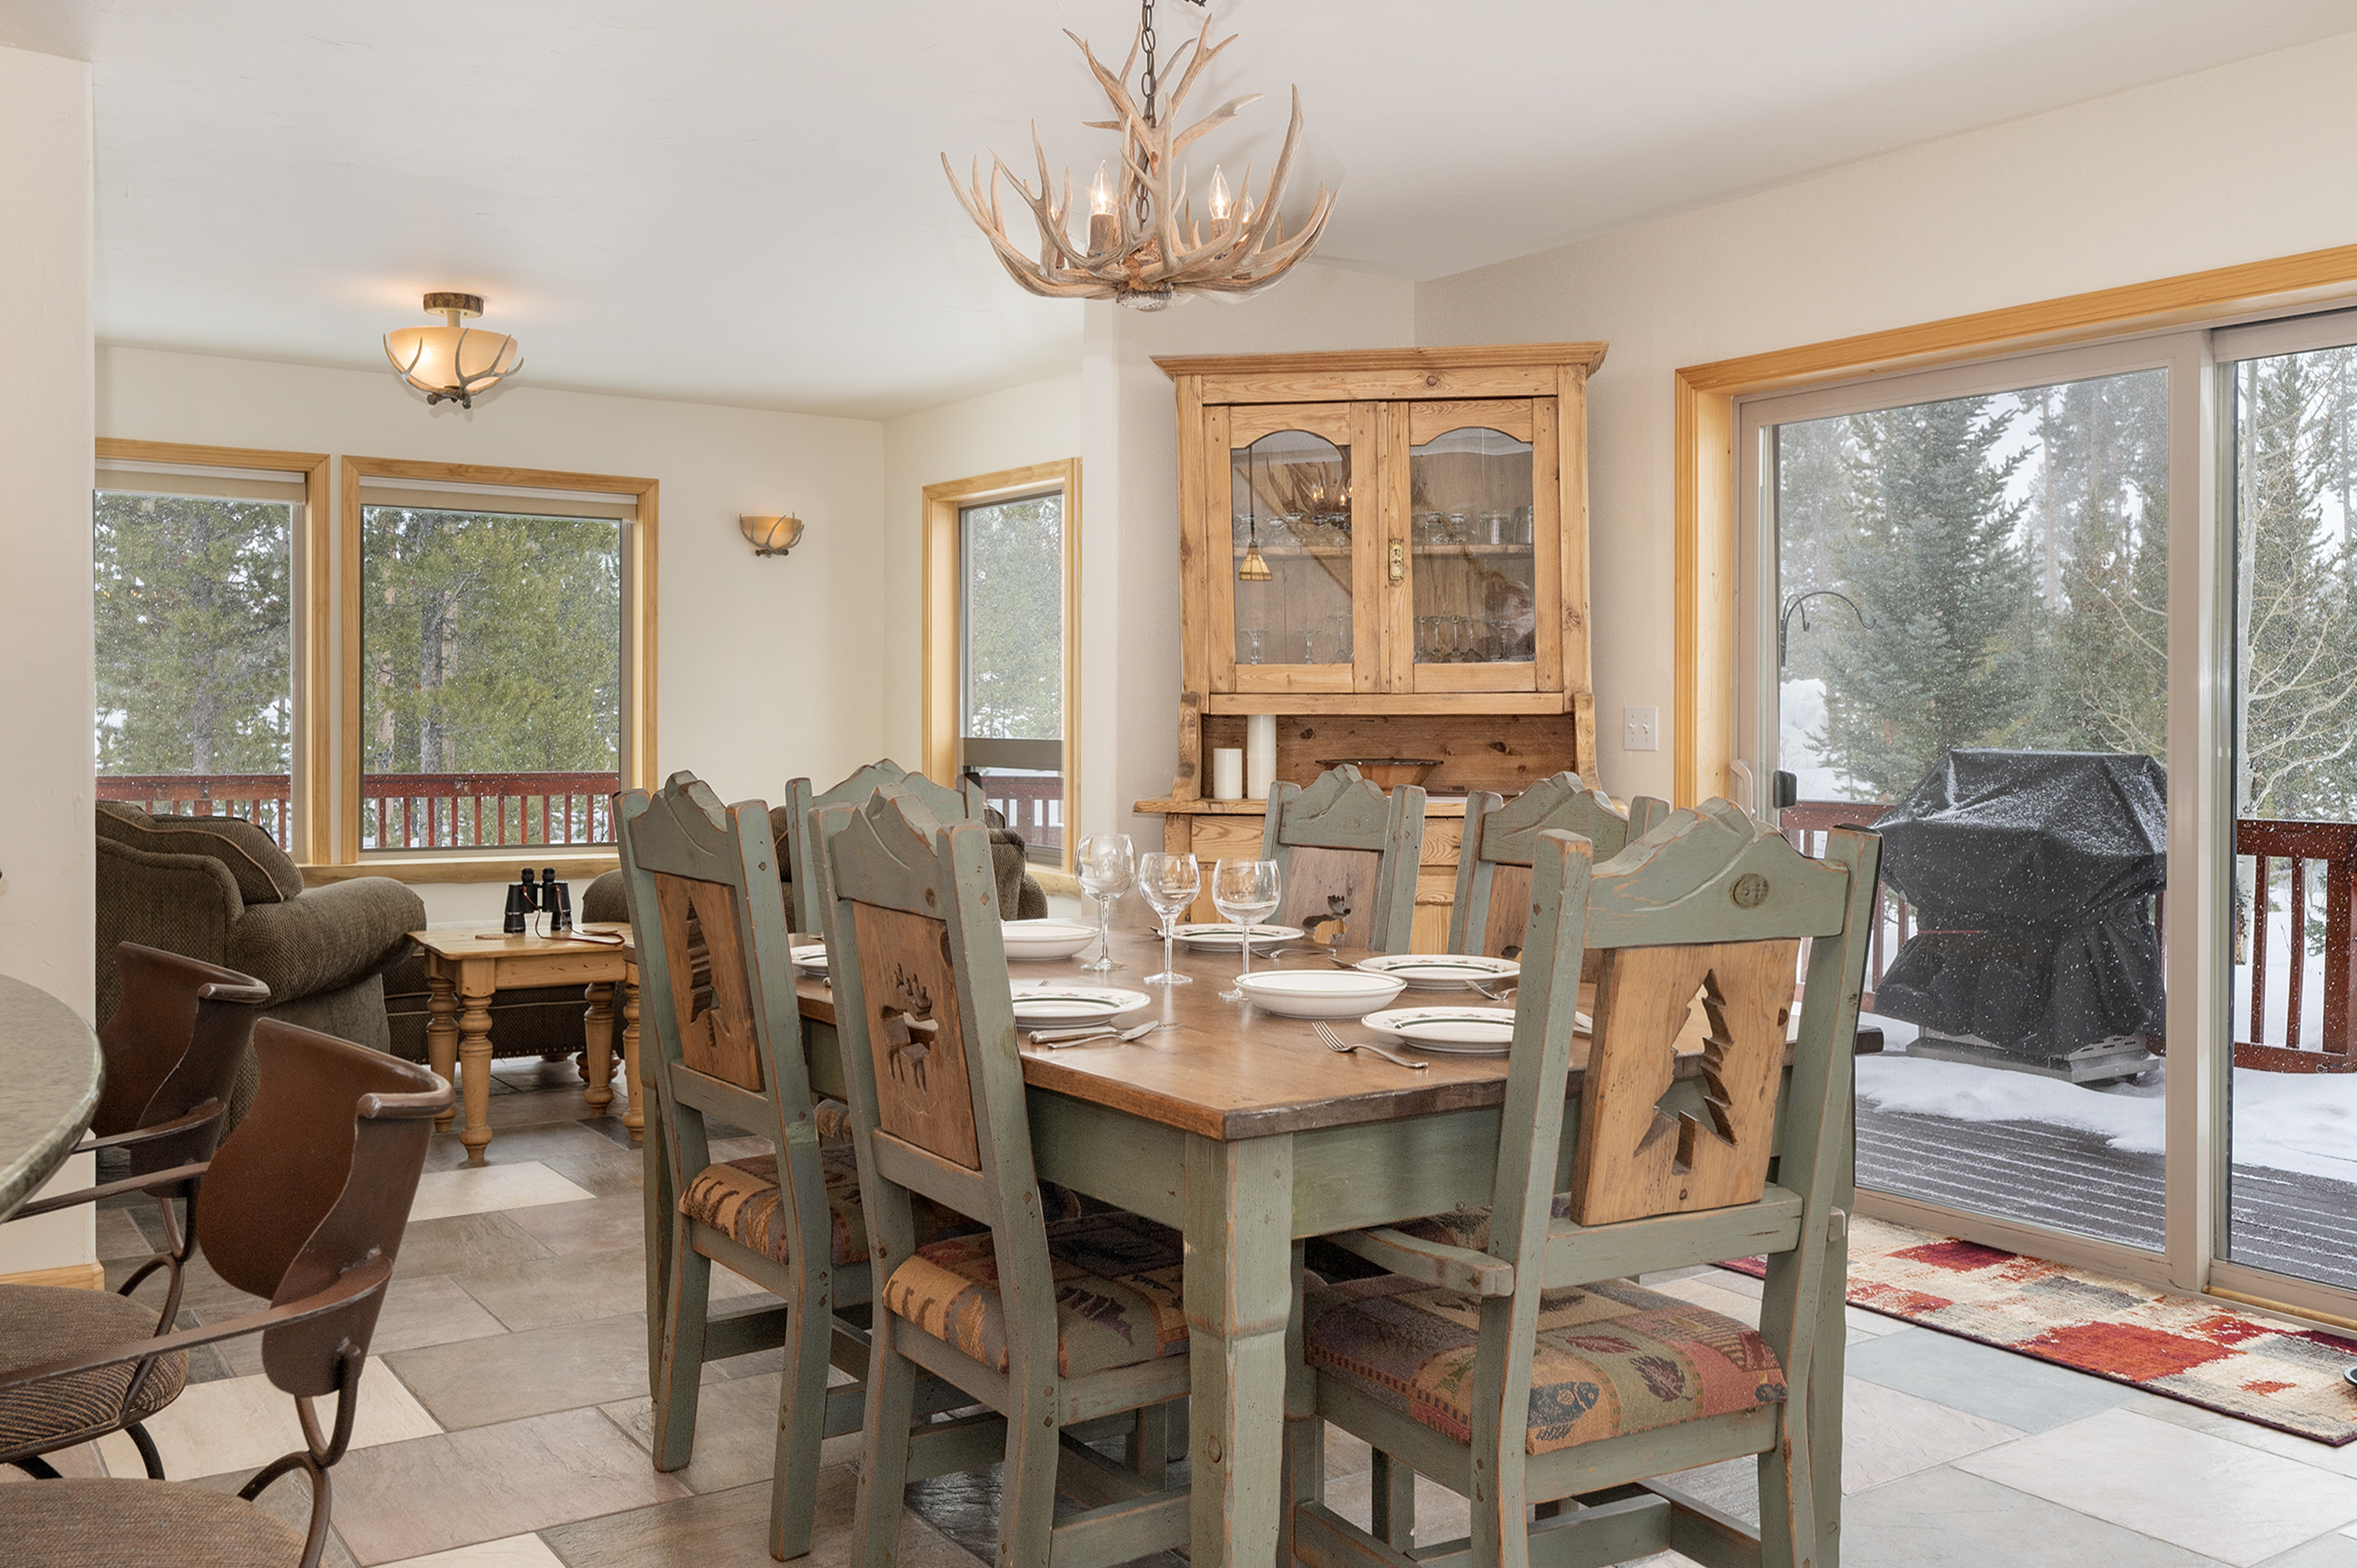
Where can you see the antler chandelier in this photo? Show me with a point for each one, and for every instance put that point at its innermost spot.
(1145, 247)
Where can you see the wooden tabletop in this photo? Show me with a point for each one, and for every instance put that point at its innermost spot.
(489, 941)
(1229, 1070)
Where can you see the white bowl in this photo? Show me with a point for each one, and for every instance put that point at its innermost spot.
(1029, 940)
(1319, 994)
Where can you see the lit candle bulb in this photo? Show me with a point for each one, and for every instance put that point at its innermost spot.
(1102, 223)
(1219, 194)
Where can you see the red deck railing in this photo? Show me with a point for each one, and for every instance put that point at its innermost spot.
(401, 811)
(1032, 807)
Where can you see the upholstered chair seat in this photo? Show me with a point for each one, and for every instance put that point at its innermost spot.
(144, 1524)
(41, 1323)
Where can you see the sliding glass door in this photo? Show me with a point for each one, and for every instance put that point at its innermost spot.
(1959, 632)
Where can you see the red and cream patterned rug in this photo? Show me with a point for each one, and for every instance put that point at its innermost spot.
(2187, 1348)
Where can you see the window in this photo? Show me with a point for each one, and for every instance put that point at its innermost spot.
(497, 688)
(1001, 569)
(197, 556)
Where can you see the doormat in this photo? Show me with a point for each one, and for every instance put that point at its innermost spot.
(2181, 1347)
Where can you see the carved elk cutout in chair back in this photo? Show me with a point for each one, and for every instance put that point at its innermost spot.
(1048, 1323)
(1493, 863)
(1347, 852)
(807, 871)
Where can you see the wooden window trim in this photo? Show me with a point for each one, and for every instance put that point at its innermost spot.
(1703, 442)
(639, 714)
(940, 658)
(314, 735)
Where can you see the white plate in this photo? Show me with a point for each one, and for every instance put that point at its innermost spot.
(1047, 1004)
(1454, 1031)
(1319, 994)
(1030, 940)
(811, 960)
(1227, 937)
(1440, 971)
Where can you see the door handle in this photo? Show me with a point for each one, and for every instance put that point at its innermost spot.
(1399, 560)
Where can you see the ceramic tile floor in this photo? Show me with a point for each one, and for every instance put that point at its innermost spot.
(504, 1416)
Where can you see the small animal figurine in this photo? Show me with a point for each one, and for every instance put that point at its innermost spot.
(1328, 927)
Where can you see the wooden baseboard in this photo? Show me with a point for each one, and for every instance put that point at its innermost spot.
(74, 1276)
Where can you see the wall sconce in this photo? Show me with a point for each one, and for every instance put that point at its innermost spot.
(770, 535)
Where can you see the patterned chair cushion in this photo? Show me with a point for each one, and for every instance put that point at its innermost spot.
(1468, 1228)
(1118, 1299)
(48, 1323)
(1611, 1358)
(141, 1523)
(834, 1119)
(743, 1200)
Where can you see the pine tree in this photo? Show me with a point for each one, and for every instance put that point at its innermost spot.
(1930, 557)
(195, 650)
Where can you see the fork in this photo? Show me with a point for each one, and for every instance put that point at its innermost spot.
(1335, 1042)
(1497, 996)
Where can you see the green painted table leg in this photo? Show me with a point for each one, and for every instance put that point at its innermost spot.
(1239, 1298)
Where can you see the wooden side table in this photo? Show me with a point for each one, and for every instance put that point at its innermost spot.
(467, 965)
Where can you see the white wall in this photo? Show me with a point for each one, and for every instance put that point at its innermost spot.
(1129, 549)
(2238, 163)
(766, 669)
(46, 859)
(1039, 422)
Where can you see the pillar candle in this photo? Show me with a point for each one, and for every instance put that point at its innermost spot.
(1260, 756)
(1227, 773)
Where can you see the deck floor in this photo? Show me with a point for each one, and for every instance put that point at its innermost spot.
(2303, 1226)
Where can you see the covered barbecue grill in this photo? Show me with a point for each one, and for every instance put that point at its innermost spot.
(2033, 874)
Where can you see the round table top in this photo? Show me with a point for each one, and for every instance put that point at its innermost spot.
(49, 1077)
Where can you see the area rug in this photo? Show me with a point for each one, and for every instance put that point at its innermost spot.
(2181, 1347)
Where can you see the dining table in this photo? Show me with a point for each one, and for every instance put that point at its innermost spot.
(1244, 1131)
(50, 1060)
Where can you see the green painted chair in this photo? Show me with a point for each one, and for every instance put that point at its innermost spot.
(1508, 1355)
(1058, 1325)
(1493, 864)
(963, 803)
(1347, 852)
(723, 1038)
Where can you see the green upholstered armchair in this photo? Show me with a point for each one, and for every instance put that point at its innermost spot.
(220, 889)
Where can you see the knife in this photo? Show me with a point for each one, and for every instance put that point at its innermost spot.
(1074, 1037)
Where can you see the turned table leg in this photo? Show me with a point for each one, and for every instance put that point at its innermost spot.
(635, 1117)
(442, 1036)
(475, 992)
(598, 1026)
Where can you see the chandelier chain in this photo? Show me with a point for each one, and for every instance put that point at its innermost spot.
(1145, 84)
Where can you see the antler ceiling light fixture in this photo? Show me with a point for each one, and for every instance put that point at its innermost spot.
(1145, 247)
(450, 360)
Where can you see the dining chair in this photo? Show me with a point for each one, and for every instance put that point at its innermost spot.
(1510, 1357)
(1055, 1323)
(306, 1203)
(964, 802)
(1493, 859)
(717, 999)
(1347, 854)
(172, 1052)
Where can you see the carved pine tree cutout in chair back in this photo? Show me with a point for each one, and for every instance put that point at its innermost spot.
(923, 1095)
(1634, 1158)
(716, 1035)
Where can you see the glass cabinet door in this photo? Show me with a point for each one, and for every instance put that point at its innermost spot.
(1479, 518)
(1292, 555)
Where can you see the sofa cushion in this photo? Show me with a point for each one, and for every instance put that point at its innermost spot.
(264, 873)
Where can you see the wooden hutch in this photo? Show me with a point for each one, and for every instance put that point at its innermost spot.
(1387, 550)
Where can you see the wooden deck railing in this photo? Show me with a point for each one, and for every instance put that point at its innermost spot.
(259, 798)
(401, 811)
(1804, 826)
(463, 810)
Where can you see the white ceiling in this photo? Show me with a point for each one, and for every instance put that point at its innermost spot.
(740, 201)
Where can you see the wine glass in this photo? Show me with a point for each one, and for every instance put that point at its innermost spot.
(1105, 866)
(1169, 883)
(1243, 891)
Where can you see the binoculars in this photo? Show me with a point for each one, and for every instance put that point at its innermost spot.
(546, 896)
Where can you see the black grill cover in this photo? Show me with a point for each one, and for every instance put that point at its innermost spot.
(2031, 874)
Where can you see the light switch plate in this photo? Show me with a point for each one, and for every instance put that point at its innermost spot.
(1641, 729)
